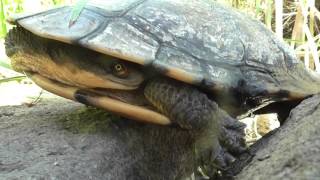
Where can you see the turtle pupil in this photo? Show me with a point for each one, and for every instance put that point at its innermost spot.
(120, 71)
(118, 67)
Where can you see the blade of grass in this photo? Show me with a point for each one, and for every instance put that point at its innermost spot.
(316, 12)
(57, 2)
(16, 78)
(76, 11)
(311, 4)
(257, 7)
(312, 46)
(297, 33)
(304, 10)
(3, 30)
(310, 40)
(279, 18)
(268, 14)
(5, 65)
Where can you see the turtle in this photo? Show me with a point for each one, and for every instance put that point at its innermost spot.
(190, 64)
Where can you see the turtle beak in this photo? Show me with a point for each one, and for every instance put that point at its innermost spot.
(84, 96)
(76, 73)
(68, 64)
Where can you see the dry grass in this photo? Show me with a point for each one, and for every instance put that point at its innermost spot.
(296, 21)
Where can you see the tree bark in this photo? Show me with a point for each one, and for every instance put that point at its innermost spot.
(289, 152)
(60, 139)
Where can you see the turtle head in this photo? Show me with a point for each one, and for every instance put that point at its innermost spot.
(69, 64)
(82, 75)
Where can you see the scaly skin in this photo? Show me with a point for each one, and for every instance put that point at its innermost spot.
(218, 136)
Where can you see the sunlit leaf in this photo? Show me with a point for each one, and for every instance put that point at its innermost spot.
(3, 27)
(76, 11)
(5, 65)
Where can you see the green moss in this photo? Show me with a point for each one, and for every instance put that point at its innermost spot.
(88, 120)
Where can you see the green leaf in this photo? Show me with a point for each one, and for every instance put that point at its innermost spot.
(15, 78)
(5, 64)
(76, 11)
(3, 27)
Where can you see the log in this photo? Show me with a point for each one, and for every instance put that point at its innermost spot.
(60, 139)
(289, 152)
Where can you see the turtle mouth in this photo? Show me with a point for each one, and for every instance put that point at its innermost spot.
(81, 75)
(131, 104)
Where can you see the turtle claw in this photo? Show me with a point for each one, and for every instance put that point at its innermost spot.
(232, 135)
(232, 140)
(231, 123)
(223, 159)
(226, 147)
(229, 158)
(220, 163)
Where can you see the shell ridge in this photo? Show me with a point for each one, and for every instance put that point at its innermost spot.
(102, 12)
(93, 33)
(134, 6)
(40, 13)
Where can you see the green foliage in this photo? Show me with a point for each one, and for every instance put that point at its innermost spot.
(9, 7)
(4, 64)
(76, 10)
(16, 78)
(57, 2)
(3, 27)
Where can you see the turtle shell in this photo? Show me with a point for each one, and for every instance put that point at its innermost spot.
(198, 42)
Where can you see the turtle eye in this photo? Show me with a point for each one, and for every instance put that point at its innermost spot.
(120, 70)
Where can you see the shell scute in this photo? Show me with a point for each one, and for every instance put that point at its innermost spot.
(197, 42)
(124, 41)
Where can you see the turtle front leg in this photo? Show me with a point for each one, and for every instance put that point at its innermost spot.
(218, 137)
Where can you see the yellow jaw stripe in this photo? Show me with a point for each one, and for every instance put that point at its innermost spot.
(126, 110)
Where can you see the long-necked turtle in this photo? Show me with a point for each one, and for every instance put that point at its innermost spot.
(163, 61)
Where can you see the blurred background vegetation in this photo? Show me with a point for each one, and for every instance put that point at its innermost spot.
(15, 88)
(296, 21)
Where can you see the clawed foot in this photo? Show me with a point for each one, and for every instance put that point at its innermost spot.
(218, 137)
(223, 150)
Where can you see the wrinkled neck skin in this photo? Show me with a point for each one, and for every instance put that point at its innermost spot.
(298, 84)
(277, 91)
